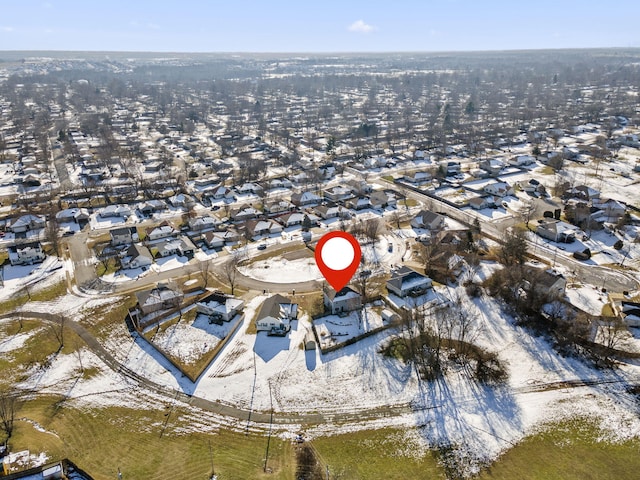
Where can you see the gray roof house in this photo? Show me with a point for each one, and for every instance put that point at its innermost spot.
(275, 315)
(345, 300)
(405, 281)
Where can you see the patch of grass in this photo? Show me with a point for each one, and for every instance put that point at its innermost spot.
(102, 440)
(310, 303)
(34, 294)
(112, 267)
(384, 453)
(607, 310)
(567, 451)
(546, 170)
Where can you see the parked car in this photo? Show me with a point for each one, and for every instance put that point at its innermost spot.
(262, 246)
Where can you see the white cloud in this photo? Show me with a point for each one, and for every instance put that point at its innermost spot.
(359, 26)
(6, 29)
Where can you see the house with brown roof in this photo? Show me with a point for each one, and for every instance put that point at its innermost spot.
(276, 314)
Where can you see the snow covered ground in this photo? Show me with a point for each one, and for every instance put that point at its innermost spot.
(333, 330)
(281, 270)
(482, 420)
(189, 341)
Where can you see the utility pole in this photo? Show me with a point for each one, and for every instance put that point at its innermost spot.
(213, 472)
(266, 455)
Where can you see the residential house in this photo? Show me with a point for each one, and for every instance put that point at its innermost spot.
(163, 230)
(359, 203)
(418, 178)
(220, 239)
(521, 160)
(338, 193)
(162, 297)
(222, 193)
(429, 220)
(26, 253)
(583, 192)
(300, 178)
(326, 211)
(214, 239)
(583, 215)
(546, 282)
(612, 210)
(499, 189)
(220, 307)
(150, 207)
(201, 224)
(291, 219)
(67, 215)
(137, 256)
(478, 203)
(277, 207)
(182, 200)
(82, 217)
(379, 199)
(283, 183)
(243, 213)
(345, 300)
(253, 188)
(276, 314)
(257, 228)
(556, 231)
(182, 246)
(27, 223)
(110, 211)
(123, 236)
(492, 166)
(405, 281)
(359, 186)
(305, 199)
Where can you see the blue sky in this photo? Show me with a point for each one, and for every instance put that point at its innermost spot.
(316, 26)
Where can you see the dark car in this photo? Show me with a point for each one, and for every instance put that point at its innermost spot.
(262, 246)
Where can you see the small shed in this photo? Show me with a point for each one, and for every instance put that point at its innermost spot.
(53, 473)
(309, 341)
(389, 316)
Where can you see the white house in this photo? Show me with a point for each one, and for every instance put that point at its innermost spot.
(26, 254)
(27, 223)
(276, 314)
(405, 281)
(137, 256)
(200, 224)
(163, 230)
(427, 219)
(500, 189)
(305, 199)
(220, 306)
(345, 300)
(122, 211)
(163, 296)
(123, 236)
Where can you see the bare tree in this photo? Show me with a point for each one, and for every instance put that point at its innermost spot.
(372, 229)
(205, 266)
(9, 404)
(514, 247)
(230, 271)
(527, 210)
(57, 329)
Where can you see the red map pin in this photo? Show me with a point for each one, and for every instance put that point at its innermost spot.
(338, 256)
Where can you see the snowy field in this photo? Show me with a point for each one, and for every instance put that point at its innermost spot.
(333, 329)
(281, 270)
(483, 420)
(190, 341)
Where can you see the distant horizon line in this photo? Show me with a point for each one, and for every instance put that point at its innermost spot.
(319, 52)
